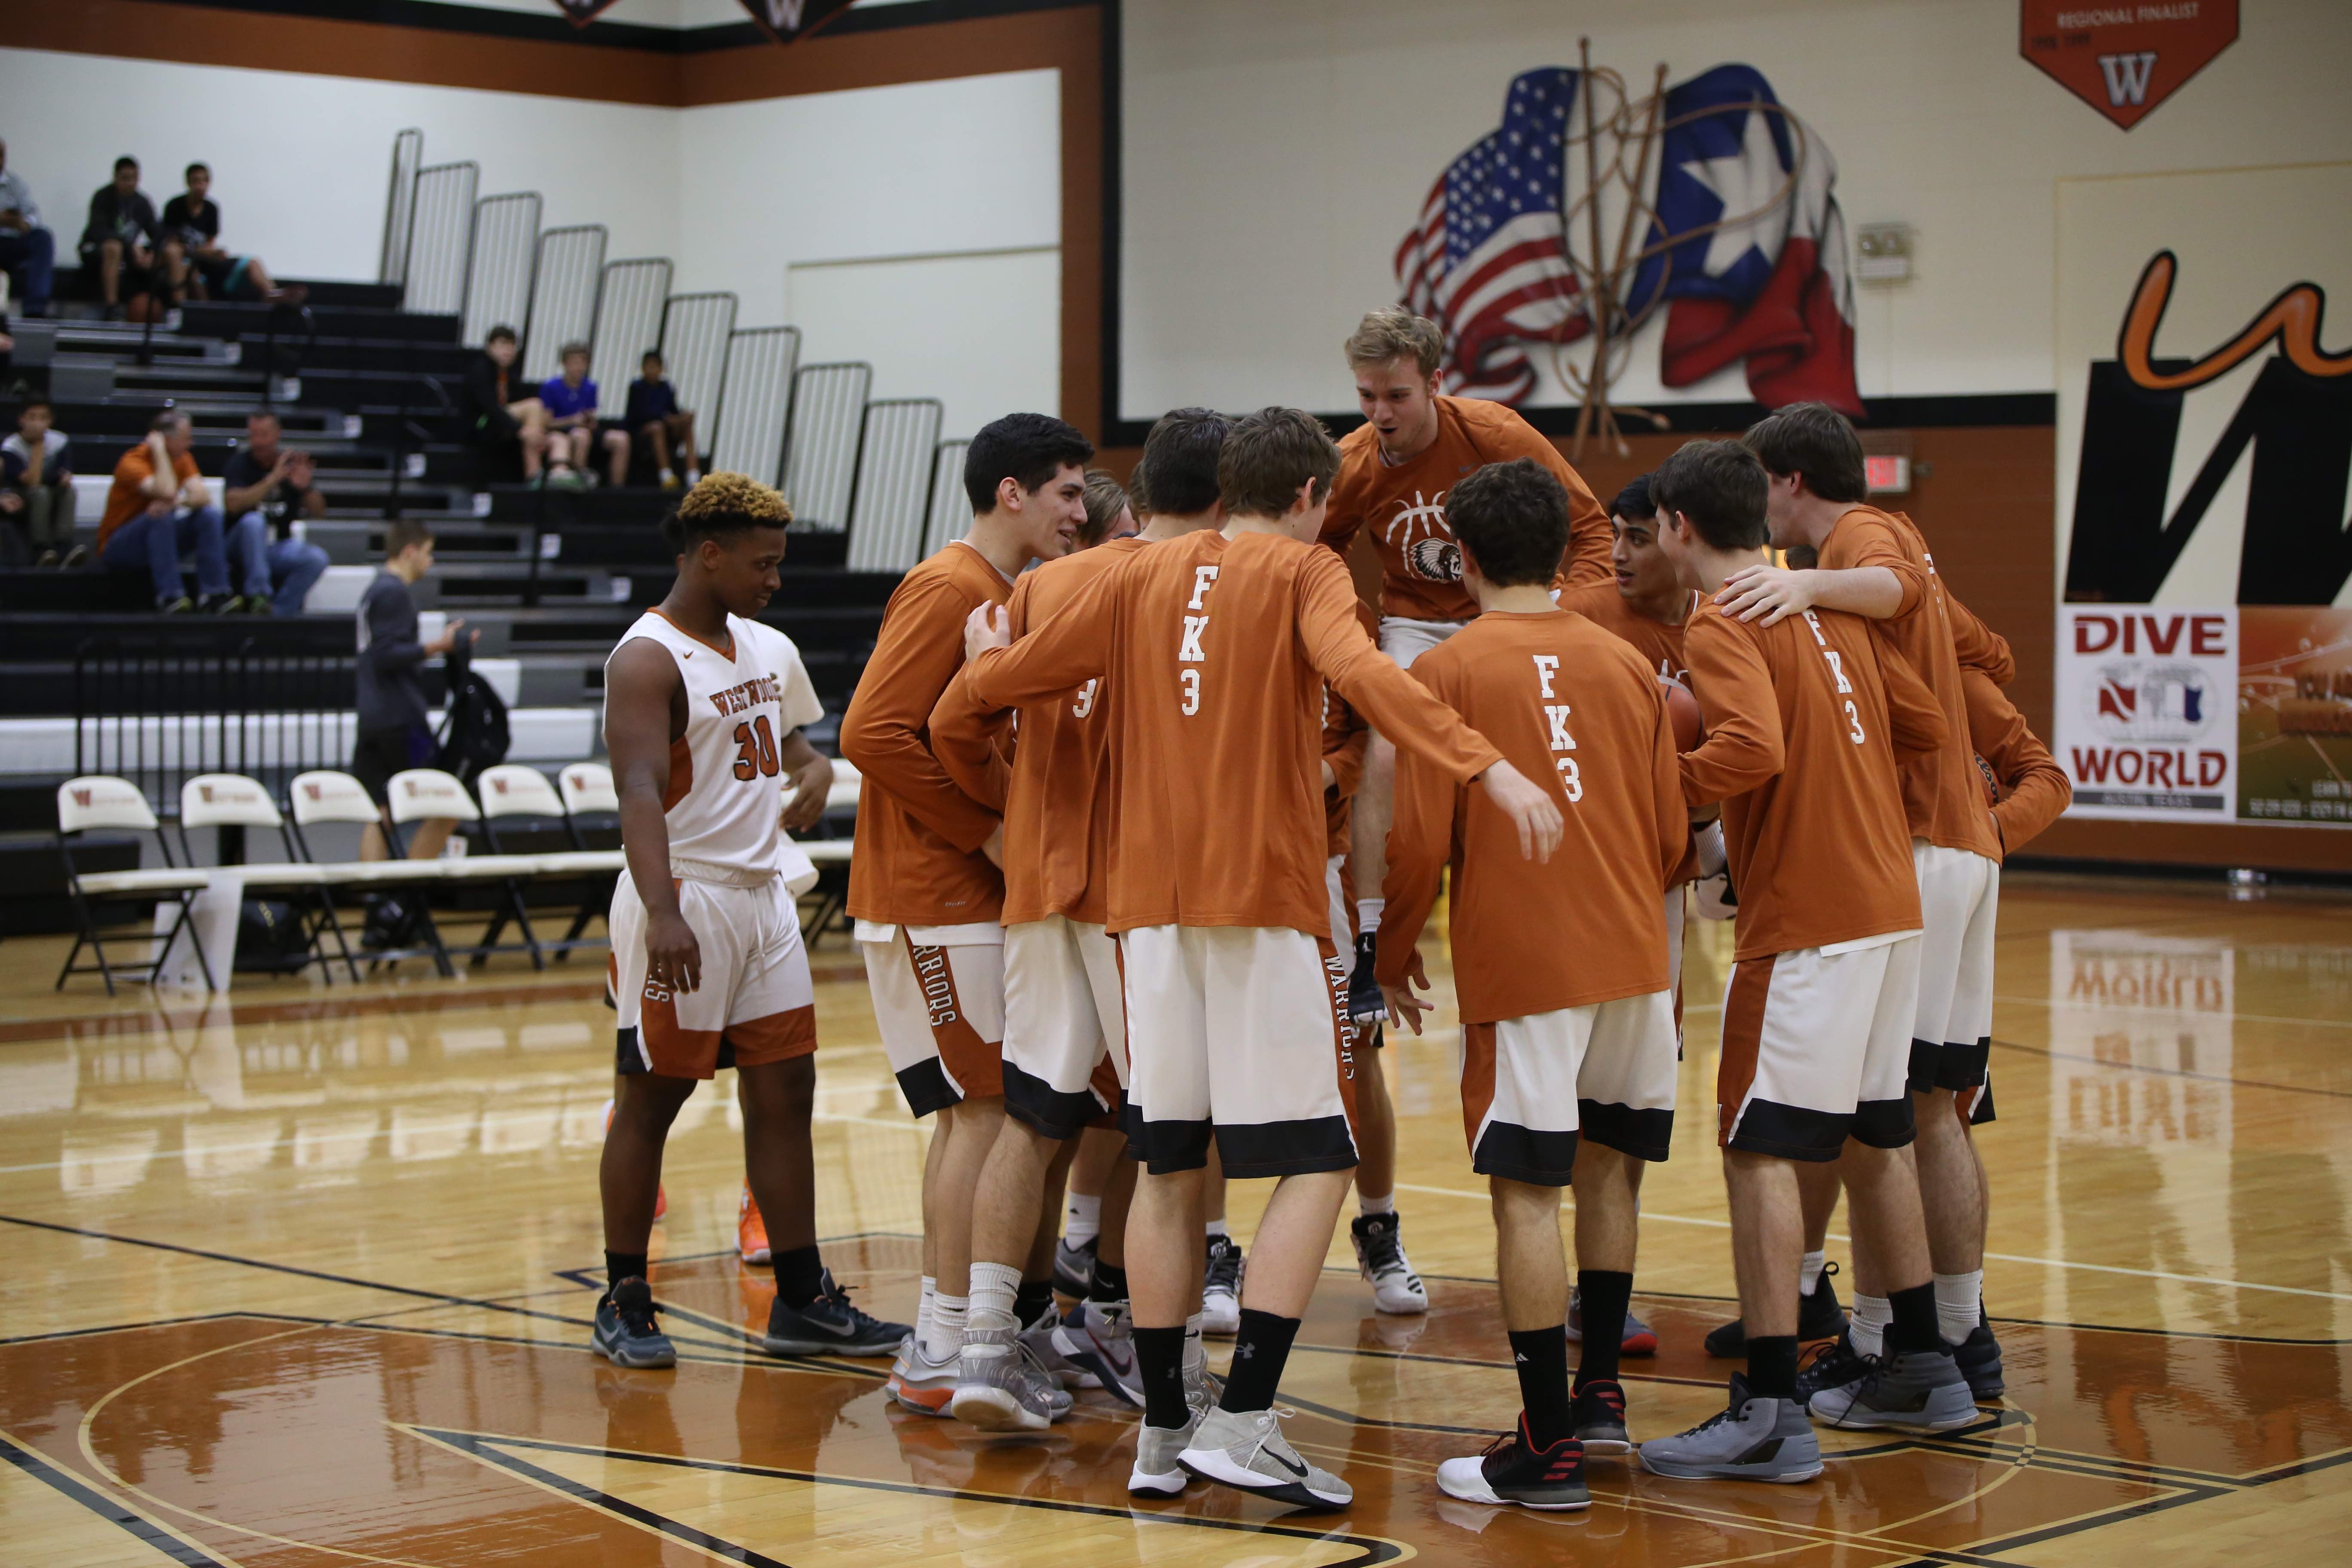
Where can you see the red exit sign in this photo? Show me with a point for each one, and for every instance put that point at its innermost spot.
(1886, 474)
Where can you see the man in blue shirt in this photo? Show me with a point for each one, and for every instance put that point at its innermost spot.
(655, 417)
(571, 401)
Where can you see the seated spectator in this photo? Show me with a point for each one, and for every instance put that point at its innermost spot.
(268, 486)
(394, 731)
(37, 496)
(27, 251)
(655, 417)
(158, 508)
(194, 264)
(495, 418)
(570, 399)
(119, 240)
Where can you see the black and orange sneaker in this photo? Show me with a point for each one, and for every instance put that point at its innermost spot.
(1513, 1469)
(1598, 1413)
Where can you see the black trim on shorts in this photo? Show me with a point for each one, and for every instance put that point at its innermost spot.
(1884, 1124)
(1260, 1149)
(626, 1057)
(1983, 1112)
(1516, 1153)
(1643, 1134)
(1795, 1132)
(1045, 1110)
(1167, 1147)
(1936, 1065)
(925, 1088)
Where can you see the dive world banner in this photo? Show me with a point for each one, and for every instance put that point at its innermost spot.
(2148, 710)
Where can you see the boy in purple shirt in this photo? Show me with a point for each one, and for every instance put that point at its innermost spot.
(571, 402)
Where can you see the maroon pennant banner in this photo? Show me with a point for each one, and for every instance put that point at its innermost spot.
(787, 21)
(579, 13)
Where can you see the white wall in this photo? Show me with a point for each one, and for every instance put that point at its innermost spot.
(301, 163)
(1274, 155)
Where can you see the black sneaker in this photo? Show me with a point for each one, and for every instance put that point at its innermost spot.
(179, 606)
(1220, 1289)
(1364, 1000)
(1819, 1316)
(1978, 1358)
(830, 1325)
(1513, 1469)
(219, 604)
(1831, 1365)
(1380, 1257)
(1598, 1412)
(625, 1334)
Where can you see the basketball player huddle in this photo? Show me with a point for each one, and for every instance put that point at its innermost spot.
(1147, 841)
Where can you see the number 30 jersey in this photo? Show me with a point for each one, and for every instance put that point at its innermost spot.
(725, 776)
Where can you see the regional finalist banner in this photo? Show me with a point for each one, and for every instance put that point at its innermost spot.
(2146, 711)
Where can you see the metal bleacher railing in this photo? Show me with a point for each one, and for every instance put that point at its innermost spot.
(875, 471)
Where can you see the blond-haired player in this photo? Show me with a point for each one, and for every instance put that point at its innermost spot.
(703, 712)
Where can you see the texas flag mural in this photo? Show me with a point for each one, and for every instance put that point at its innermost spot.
(1745, 254)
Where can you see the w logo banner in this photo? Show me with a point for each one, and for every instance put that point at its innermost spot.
(579, 13)
(2123, 58)
(786, 20)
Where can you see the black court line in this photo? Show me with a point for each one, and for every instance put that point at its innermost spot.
(41, 1467)
(2176, 1072)
(486, 1447)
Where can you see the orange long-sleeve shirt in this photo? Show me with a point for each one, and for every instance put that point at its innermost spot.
(1659, 644)
(1943, 797)
(917, 860)
(1217, 651)
(1404, 506)
(2035, 791)
(1572, 705)
(1057, 823)
(1345, 739)
(1805, 720)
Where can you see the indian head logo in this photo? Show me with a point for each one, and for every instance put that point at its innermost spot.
(2295, 417)
(2123, 58)
(1418, 532)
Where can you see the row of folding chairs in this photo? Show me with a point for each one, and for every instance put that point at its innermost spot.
(513, 797)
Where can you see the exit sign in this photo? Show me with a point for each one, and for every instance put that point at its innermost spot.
(1886, 474)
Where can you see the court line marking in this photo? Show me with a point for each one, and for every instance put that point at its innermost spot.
(151, 1532)
(2001, 1257)
(2169, 1012)
(2045, 1052)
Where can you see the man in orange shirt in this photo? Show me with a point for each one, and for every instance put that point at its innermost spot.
(924, 886)
(1215, 648)
(1805, 720)
(1550, 1049)
(157, 509)
(1876, 563)
(1065, 1034)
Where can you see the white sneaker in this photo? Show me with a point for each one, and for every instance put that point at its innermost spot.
(1248, 1451)
(1220, 1289)
(1380, 1257)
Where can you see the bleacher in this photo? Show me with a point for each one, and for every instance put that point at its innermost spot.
(365, 376)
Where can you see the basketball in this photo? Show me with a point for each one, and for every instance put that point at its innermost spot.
(1683, 708)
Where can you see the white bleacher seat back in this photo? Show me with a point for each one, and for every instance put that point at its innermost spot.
(328, 796)
(226, 800)
(588, 787)
(511, 789)
(103, 801)
(426, 794)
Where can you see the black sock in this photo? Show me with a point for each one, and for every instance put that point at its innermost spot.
(1031, 1301)
(1772, 1365)
(1604, 1297)
(1159, 1362)
(1259, 1351)
(1111, 1284)
(1914, 1327)
(1541, 1357)
(800, 1276)
(620, 1266)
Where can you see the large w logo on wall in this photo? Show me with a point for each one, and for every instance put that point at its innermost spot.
(2295, 421)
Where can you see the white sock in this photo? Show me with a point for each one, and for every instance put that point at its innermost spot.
(995, 1288)
(924, 1306)
(1367, 914)
(1868, 1322)
(1808, 1273)
(1384, 1203)
(1217, 1228)
(945, 1342)
(667, 476)
(1958, 1299)
(1082, 1219)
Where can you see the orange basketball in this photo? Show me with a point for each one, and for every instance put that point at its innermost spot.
(1681, 707)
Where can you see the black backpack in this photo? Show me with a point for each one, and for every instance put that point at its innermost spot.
(270, 939)
(474, 734)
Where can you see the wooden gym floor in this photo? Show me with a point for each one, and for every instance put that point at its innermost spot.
(305, 1278)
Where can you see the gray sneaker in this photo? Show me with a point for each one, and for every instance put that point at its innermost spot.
(1038, 1340)
(1158, 1472)
(1917, 1391)
(999, 1387)
(1097, 1341)
(1753, 1440)
(1247, 1450)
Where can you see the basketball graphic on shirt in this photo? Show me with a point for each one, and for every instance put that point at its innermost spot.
(1420, 535)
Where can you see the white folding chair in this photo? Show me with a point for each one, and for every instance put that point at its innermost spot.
(429, 795)
(327, 795)
(233, 800)
(103, 803)
(515, 796)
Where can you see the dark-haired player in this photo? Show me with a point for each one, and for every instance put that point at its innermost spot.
(1804, 718)
(1876, 563)
(924, 884)
(704, 708)
(1215, 648)
(1568, 1068)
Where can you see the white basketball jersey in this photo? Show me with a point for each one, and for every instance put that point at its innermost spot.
(725, 776)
